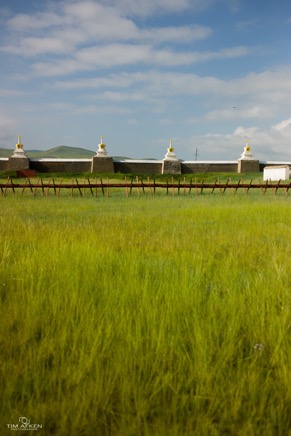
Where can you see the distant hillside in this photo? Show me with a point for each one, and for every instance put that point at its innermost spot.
(5, 152)
(61, 152)
(57, 152)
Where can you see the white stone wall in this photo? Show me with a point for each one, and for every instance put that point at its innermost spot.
(274, 173)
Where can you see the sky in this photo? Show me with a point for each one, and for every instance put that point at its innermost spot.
(207, 74)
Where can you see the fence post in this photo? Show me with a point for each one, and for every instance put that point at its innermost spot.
(150, 186)
(91, 190)
(142, 186)
(24, 187)
(278, 184)
(286, 189)
(84, 188)
(55, 191)
(42, 188)
(59, 191)
(80, 190)
(36, 187)
(108, 195)
(237, 186)
(12, 186)
(225, 186)
(196, 187)
(139, 184)
(126, 187)
(214, 186)
(102, 187)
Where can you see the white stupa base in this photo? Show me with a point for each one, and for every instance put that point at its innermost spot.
(170, 155)
(101, 152)
(247, 155)
(19, 153)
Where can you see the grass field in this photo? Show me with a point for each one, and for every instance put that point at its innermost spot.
(146, 315)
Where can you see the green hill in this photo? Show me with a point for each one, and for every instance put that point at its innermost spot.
(62, 152)
(57, 152)
(5, 152)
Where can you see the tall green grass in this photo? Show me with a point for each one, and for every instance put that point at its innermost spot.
(146, 315)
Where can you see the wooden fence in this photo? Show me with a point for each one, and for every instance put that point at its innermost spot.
(103, 188)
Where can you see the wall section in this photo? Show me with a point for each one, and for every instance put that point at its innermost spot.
(132, 166)
(61, 166)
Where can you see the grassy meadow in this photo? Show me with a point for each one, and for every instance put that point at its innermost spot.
(166, 315)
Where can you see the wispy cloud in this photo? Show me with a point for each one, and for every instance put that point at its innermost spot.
(120, 55)
(11, 93)
(95, 35)
(149, 7)
(284, 125)
(258, 96)
(79, 23)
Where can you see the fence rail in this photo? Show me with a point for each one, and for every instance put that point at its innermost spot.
(175, 187)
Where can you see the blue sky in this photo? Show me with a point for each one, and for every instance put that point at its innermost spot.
(208, 74)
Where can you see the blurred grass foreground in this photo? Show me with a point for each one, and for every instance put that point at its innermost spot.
(146, 316)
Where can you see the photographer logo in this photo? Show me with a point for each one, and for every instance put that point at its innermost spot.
(24, 425)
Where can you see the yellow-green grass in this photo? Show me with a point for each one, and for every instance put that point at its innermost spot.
(146, 315)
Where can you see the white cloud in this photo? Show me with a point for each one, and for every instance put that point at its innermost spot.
(99, 21)
(149, 7)
(71, 25)
(174, 34)
(243, 132)
(264, 143)
(121, 96)
(38, 21)
(97, 58)
(285, 124)
(57, 68)
(78, 110)
(255, 96)
(113, 55)
(243, 112)
(70, 39)
(122, 80)
(34, 46)
(11, 93)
